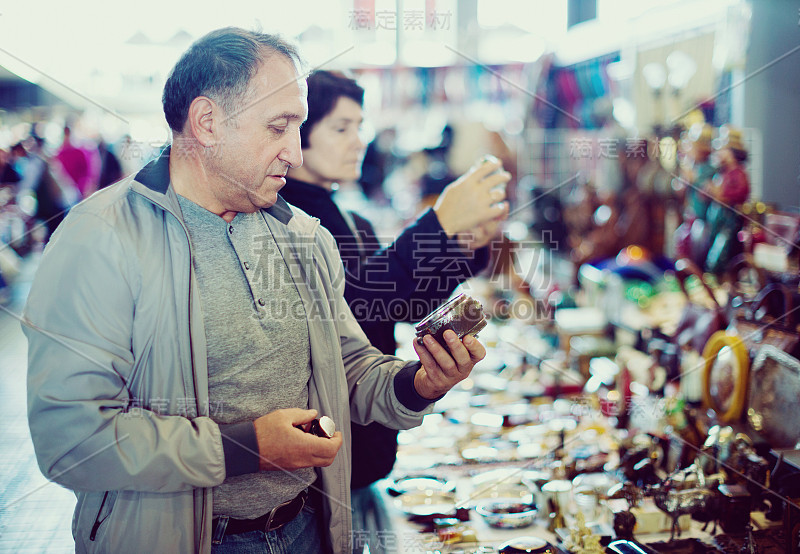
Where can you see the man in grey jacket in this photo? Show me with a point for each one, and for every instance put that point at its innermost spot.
(186, 324)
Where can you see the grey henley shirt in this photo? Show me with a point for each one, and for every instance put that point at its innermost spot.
(258, 344)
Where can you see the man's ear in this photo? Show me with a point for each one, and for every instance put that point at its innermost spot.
(203, 120)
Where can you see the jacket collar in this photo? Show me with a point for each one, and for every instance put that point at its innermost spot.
(155, 176)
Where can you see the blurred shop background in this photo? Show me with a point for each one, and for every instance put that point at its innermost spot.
(638, 133)
(558, 90)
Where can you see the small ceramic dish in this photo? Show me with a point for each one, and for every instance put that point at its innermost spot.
(527, 545)
(506, 513)
(426, 503)
(421, 483)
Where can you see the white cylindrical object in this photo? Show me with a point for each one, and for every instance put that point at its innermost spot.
(326, 426)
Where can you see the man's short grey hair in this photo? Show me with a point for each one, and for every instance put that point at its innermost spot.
(219, 66)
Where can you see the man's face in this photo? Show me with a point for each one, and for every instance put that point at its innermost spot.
(260, 141)
(335, 150)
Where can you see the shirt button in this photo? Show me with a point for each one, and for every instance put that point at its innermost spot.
(246, 265)
(230, 229)
(262, 302)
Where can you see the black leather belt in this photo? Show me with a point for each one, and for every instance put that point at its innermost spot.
(279, 516)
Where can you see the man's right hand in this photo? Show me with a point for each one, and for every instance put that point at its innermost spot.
(281, 445)
(475, 198)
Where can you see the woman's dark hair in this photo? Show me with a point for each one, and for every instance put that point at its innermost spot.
(324, 90)
(220, 66)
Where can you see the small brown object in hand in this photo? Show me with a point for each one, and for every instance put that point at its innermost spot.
(322, 427)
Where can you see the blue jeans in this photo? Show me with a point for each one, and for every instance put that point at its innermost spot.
(299, 536)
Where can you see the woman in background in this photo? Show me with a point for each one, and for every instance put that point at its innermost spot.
(401, 282)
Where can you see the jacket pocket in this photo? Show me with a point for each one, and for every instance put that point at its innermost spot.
(103, 513)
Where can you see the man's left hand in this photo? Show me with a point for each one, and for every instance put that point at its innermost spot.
(441, 370)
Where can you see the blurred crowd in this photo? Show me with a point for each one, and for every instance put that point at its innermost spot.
(40, 184)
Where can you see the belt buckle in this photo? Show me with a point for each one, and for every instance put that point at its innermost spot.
(267, 526)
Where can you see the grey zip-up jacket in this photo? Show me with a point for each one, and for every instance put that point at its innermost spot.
(118, 383)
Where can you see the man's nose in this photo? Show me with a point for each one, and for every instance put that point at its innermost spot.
(292, 154)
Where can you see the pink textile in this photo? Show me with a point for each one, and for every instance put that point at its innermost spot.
(735, 187)
(82, 165)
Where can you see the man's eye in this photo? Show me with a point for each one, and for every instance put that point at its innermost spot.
(278, 130)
